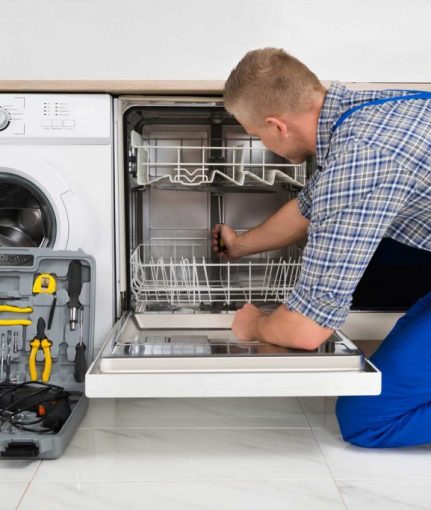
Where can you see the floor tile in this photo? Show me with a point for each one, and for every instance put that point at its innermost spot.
(386, 494)
(194, 412)
(294, 495)
(188, 455)
(17, 470)
(319, 411)
(10, 494)
(348, 462)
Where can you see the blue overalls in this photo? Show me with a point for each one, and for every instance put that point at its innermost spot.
(401, 414)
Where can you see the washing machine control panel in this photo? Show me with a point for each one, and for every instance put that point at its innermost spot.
(55, 118)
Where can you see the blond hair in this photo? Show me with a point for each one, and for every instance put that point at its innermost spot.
(269, 81)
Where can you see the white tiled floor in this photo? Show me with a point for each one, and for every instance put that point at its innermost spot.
(217, 453)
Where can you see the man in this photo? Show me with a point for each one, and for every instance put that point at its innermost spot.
(373, 151)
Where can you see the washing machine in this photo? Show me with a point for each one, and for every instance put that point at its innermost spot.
(56, 181)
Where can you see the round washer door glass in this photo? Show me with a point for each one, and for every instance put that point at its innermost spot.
(27, 218)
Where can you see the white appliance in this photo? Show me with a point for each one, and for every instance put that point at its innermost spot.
(56, 181)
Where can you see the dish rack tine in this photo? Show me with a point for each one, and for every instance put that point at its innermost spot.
(188, 279)
(276, 278)
(268, 283)
(206, 280)
(228, 283)
(175, 292)
(280, 279)
(153, 272)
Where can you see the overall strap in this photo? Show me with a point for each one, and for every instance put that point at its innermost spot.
(415, 95)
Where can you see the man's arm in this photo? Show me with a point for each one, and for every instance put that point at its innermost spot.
(282, 327)
(357, 198)
(283, 228)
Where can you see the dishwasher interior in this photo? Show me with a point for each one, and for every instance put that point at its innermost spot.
(189, 165)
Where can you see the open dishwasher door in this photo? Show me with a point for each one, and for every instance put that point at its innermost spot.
(197, 355)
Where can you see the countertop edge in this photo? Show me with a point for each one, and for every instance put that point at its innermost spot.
(201, 87)
(116, 87)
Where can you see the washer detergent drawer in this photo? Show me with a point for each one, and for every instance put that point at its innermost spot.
(197, 355)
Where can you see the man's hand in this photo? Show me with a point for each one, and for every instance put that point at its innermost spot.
(245, 323)
(229, 237)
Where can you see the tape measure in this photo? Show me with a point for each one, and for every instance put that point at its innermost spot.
(44, 283)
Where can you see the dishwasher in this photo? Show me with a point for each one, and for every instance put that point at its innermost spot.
(183, 165)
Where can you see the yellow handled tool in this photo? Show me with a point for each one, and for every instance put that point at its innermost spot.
(16, 309)
(39, 341)
(15, 322)
(44, 283)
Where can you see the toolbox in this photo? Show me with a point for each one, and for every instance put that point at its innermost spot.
(47, 302)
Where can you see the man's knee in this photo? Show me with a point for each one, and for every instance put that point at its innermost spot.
(354, 422)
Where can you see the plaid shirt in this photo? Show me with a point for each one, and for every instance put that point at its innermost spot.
(373, 181)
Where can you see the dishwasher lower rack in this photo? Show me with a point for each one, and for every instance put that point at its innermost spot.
(171, 273)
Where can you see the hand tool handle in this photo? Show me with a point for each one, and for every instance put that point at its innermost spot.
(15, 322)
(3, 355)
(51, 312)
(34, 344)
(46, 346)
(74, 277)
(222, 248)
(80, 359)
(80, 363)
(16, 309)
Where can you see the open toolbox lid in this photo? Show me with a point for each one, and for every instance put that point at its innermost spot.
(31, 281)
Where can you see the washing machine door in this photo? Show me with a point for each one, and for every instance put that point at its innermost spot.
(37, 207)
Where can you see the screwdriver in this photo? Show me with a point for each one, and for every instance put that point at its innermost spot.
(3, 355)
(222, 248)
(80, 359)
(8, 344)
(74, 277)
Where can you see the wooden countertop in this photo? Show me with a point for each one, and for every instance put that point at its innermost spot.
(120, 87)
(115, 87)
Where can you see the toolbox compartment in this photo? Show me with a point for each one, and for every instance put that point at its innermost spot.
(18, 269)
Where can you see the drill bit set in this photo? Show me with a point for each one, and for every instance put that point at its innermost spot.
(46, 325)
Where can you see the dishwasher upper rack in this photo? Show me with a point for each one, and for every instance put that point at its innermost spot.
(243, 164)
(192, 280)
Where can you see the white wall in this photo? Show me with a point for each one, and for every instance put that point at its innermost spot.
(348, 40)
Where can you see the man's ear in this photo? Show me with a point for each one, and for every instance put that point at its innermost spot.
(278, 125)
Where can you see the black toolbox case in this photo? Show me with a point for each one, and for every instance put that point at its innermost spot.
(18, 270)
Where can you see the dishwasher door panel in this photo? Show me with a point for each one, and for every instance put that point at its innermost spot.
(197, 355)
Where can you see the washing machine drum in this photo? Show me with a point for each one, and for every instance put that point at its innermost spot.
(26, 216)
